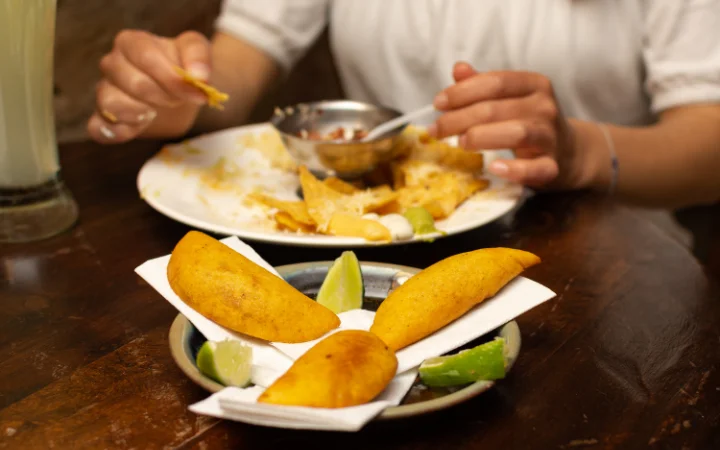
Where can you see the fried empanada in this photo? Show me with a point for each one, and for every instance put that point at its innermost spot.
(348, 368)
(444, 292)
(232, 291)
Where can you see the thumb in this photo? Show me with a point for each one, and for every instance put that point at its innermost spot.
(194, 51)
(536, 172)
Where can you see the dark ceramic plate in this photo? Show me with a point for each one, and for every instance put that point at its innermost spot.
(185, 340)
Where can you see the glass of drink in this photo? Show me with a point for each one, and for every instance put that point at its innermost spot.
(34, 202)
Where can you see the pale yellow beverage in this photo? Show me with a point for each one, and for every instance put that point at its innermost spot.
(34, 202)
(28, 156)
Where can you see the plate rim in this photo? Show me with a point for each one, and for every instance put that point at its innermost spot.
(290, 239)
(180, 328)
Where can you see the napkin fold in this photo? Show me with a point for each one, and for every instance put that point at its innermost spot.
(271, 360)
(241, 405)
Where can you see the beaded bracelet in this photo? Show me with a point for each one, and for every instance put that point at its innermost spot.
(614, 163)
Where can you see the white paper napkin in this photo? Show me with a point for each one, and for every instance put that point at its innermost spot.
(270, 360)
(240, 405)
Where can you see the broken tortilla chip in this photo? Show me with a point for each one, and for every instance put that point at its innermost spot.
(428, 149)
(371, 200)
(441, 194)
(214, 96)
(296, 209)
(322, 201)
(339, 185)
(350, 225)
(286, 222)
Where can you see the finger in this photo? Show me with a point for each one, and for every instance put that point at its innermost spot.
(121, 73)
(510, 134)
(462, 71)
(460, 120)
(109, 133)
(529, 152)
(149, 56)
(115, 106)
(490, 86)
(536, 172)
(194, 51)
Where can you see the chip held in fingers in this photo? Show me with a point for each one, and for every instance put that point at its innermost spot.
(444, 292)
(348, 368)
(214, 96)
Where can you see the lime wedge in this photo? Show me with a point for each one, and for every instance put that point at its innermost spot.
(343, 288)
(484, 362)
(421, 220)
(227, 362)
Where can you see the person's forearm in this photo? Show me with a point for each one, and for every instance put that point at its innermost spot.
(242, 71)
(674, 163)
(245, 73)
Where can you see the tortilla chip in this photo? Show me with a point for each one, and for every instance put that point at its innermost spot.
(442, 194)
(429, 149)
(286, 222)
(371, 200)
(415, 173)
(351, 225)
(339, 185)
(215, 97)
(295, 209)
(322, 201)
(393, 207)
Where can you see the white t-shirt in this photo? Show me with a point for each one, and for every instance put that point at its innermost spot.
(619, 61)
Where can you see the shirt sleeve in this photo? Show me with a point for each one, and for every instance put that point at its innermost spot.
(682, 52)
(283, 29)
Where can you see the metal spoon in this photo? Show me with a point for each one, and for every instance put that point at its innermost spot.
(398, 122)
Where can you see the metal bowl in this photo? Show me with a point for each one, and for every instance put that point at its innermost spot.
(344, 159)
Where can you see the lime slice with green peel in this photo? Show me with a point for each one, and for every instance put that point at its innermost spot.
(484, 362)
(343, 288)
(421, 220)
(227, 362)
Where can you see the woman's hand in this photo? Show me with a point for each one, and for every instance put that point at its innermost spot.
(515, 110)
(140, 85)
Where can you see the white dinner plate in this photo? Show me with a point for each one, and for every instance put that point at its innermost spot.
(177, 183)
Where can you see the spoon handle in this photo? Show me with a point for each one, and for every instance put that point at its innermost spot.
(403, 120)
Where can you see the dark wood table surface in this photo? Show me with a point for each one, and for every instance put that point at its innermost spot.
(626, 356)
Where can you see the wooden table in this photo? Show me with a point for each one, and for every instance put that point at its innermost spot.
(625, 357)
